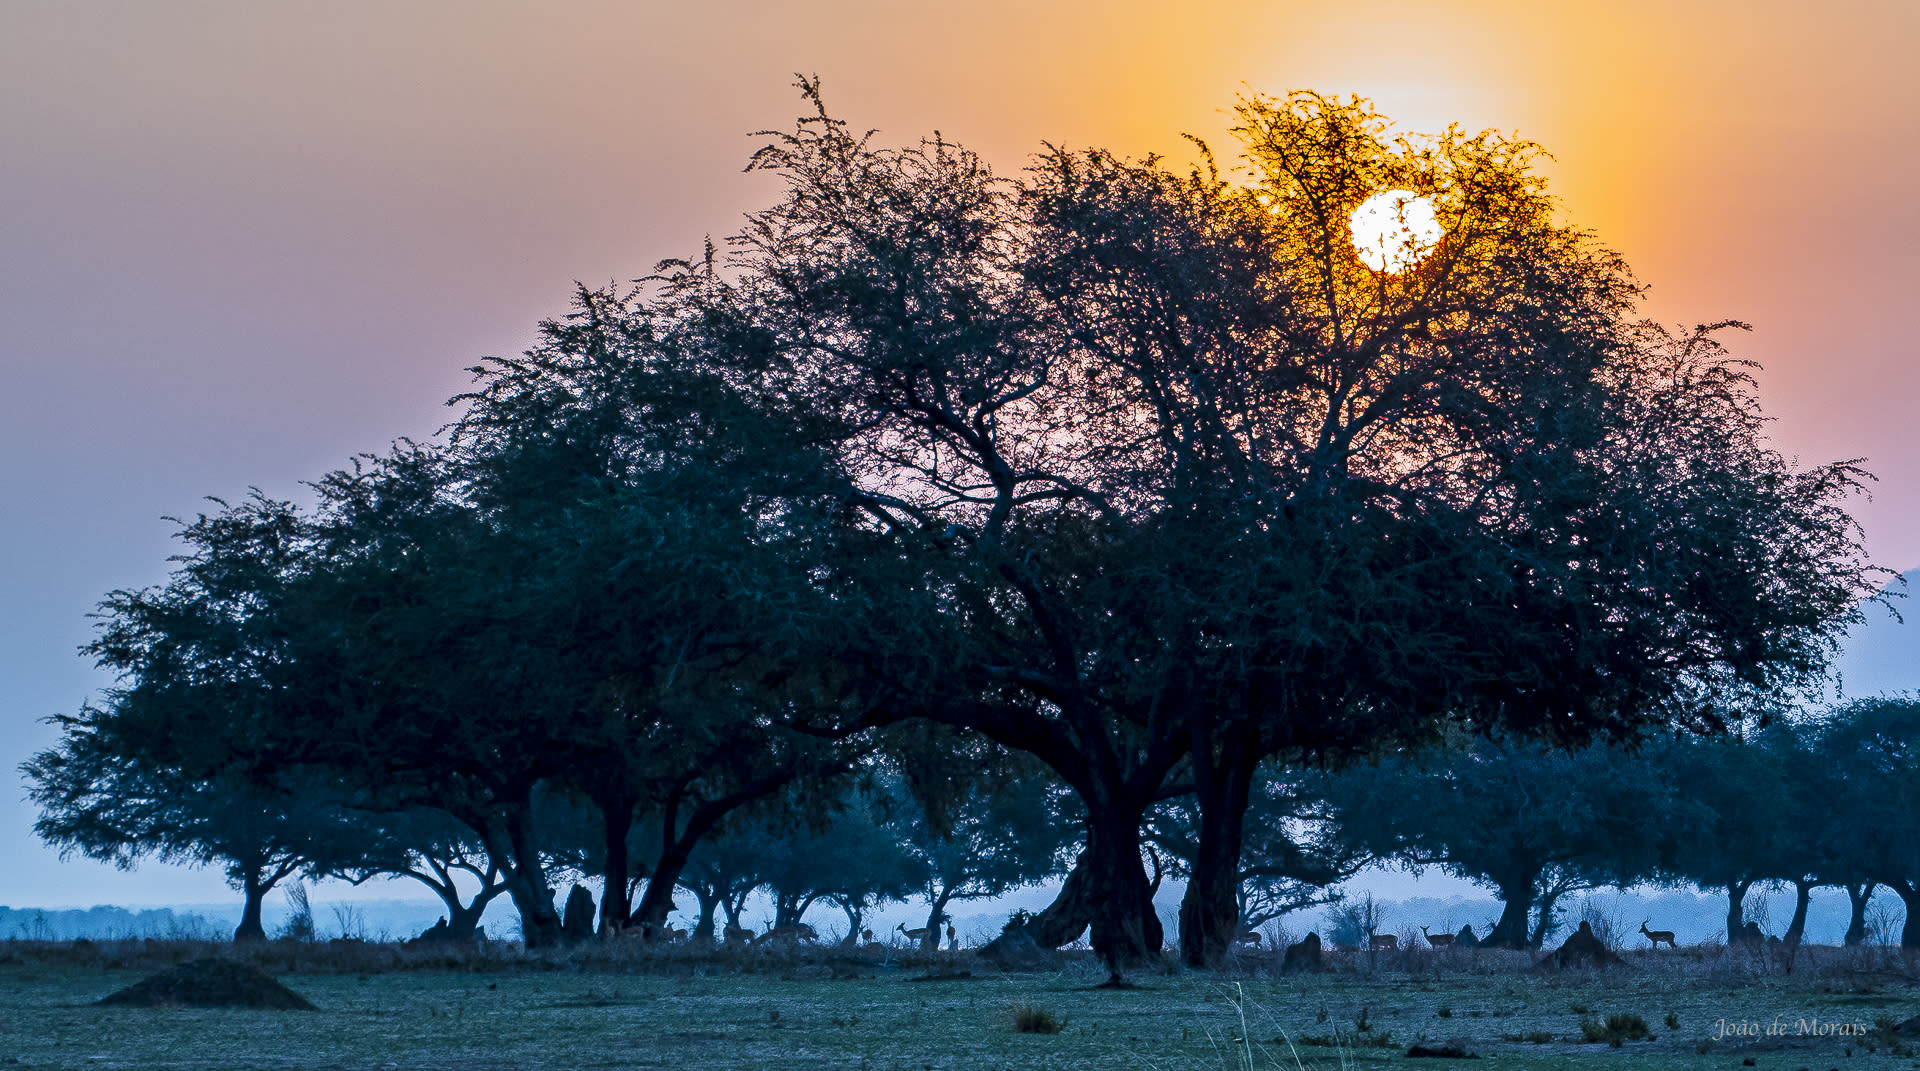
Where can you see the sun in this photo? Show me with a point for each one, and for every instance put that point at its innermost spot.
(1392, 230)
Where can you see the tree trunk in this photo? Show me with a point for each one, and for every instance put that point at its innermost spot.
(709, 903)
(855, 913)
(1126, 930)
(512, 846)
(1210, 910)
(1802, 897)
(1737, 909)
(1516, 895)
(657, 902)
(463, 921)
(616, 818)
(935, 917)
(1543, 926)
(677, 844)
(1063, 921)
(735, 906)
(1858, 897)
(1909, 894)
(787, 909)
(255, 891)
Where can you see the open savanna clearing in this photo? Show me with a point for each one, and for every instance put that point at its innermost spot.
(705, 1012)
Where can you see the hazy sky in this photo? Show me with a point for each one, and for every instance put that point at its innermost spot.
(242, 241)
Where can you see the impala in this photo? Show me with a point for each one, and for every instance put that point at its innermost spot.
(1386, 940)
(1445, 940)
(788, 934)
(1657, 936)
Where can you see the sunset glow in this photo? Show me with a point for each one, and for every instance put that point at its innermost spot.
(1394, 229)
(247, 242)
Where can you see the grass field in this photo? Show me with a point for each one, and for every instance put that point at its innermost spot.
(508, 1010)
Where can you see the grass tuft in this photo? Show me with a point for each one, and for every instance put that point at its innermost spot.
(1028, 1019)
(1619, 1029)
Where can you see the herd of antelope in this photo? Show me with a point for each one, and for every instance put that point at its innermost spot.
(737, 936)
(1386, 942)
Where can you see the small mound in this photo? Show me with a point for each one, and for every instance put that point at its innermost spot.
(208, 983)
(1584, 948)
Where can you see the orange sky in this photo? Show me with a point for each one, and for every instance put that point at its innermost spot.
(241, 241)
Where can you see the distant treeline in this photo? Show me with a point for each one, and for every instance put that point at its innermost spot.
(97, 923)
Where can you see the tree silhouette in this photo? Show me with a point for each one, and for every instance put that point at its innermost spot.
(1178, 478)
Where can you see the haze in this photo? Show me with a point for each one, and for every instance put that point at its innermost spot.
(241, 242)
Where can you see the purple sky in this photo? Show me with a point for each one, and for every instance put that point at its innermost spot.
(240, 242)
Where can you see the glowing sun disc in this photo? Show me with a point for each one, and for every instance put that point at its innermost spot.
(1392, 230)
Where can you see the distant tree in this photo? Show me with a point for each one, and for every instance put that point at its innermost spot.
(1532, 821)
(118, 808)
(1735, 821)
(150, 771)
(1807, 856)
(1003, 826)
(433, 849)
(1872, 747)
(723, 870)
(852, 859)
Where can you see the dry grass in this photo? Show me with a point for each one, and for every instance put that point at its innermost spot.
(1028, 1019)
(631, 1005)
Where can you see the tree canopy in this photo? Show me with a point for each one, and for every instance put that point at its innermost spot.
(1148, 477)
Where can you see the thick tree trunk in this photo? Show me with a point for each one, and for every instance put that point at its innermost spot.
(464, 922)
(255, 891)
(1737, 909)
(515, 851)
(704, 929)
(1516, 894)
(1126, 929)
(1802, 897)
(1909, 894)
(1210, 910)
(1063, 921)
(1858, 896)
(616, 818)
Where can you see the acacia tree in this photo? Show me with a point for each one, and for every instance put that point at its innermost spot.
(1758, 808)
(677, 523)
(149, 771)
(1733, 828)
(452, 629)
(722, 871)
(1000, 824)
(433, 849)
(1872, 749)
(120, 807)
(1178, 478)
(848, 855)
(1530, 820)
